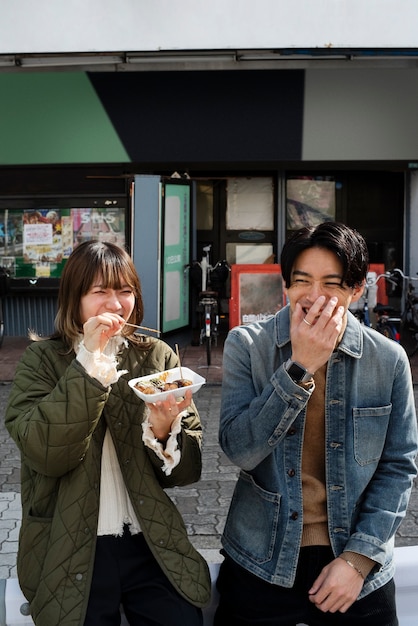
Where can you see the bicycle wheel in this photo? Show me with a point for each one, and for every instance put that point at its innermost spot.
(208, 332)
(209, 349)
(388, 331)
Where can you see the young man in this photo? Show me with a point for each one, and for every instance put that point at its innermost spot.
(318, 412)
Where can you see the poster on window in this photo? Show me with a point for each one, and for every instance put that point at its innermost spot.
(256, 293)
(309, 202)
(100, 224)
(42, 236)
(37, 242)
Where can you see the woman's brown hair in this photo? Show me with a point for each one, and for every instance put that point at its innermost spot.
(87, 262)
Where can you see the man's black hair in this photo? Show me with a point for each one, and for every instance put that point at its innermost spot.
(345, 242)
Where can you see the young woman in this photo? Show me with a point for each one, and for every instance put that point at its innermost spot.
(98, 531)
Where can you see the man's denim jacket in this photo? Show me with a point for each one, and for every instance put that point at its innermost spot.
(371, 444)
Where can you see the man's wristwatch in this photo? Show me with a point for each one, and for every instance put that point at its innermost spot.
(297, 372)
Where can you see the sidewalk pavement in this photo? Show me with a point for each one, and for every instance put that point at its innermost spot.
(204, 505)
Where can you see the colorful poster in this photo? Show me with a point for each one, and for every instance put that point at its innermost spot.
(104, 224)
(67, 236)
(42, 236)
(37, 242)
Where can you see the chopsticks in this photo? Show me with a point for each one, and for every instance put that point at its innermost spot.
(152, 330)
(178, 356)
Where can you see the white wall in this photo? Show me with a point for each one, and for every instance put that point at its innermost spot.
(42, 26)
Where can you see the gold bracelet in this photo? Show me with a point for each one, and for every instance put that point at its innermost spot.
(353, 566)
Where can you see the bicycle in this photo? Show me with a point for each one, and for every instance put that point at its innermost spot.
(409, 308)
(209, 279)
(388, 319)
(388, 322)
(397, 325)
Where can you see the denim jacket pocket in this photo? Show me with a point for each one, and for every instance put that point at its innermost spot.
(370, 427)
(252, 528)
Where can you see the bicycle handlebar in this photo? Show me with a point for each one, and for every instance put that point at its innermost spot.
(404, 276)
(390, 277)
(387, 275)
(210, 267)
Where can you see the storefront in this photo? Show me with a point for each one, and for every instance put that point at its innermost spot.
(263, 152)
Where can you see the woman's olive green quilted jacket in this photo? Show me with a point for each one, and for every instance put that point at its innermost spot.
(57, 415)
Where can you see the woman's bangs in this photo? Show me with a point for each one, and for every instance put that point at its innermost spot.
(115, 277)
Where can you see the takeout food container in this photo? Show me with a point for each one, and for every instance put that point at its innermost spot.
(168, 376)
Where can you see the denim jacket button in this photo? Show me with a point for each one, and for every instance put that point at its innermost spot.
(291, 472)
(294, 515)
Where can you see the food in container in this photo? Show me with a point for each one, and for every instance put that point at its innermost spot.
(159, 386)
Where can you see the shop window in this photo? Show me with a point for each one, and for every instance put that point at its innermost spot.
(309, 201)
(249, 253)
(370, 201)
(250, 220)
(204, 206)
(250, 204)
(37, 242)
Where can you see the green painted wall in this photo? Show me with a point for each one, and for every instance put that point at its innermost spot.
(53, 117)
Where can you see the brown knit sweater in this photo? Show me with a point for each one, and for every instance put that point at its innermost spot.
(315, 517)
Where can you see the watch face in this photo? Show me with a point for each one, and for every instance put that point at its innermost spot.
(296, 372)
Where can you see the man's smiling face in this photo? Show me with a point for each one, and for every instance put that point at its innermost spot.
(318, 272)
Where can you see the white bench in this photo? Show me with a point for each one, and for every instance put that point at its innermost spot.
(14, 608)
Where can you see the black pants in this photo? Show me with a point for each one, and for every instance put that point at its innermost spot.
(126, 573)
(247, 600)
